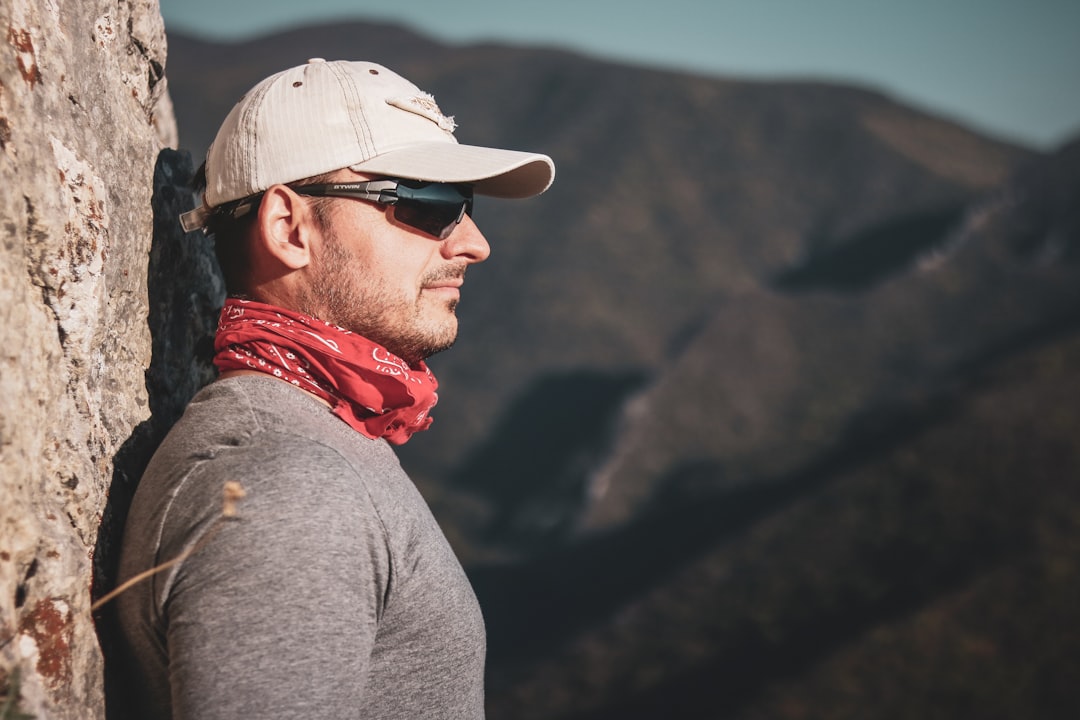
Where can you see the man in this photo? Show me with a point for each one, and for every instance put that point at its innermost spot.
(340, 204)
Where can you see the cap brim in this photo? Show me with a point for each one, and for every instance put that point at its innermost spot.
(494, 172)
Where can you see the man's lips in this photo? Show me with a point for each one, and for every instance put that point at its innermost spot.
(453, 284)
(448, 289)
(446, 281)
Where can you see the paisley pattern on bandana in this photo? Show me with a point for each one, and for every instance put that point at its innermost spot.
(377, 393)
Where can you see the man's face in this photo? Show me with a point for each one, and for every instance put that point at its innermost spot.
(388, 282)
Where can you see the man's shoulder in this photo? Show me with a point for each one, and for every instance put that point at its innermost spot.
(292, 455)
(254, 427)
(264, 417)
(251, 402)
(251, 408)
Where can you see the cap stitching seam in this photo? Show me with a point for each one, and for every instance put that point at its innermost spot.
(251, 115)
(355, 108)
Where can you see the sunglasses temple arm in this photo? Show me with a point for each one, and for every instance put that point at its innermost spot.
(377, 191)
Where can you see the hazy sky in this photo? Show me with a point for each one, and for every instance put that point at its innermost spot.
(1010, 68)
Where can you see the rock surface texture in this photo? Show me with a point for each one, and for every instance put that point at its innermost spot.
(83, 115)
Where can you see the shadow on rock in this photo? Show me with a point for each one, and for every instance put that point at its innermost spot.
(185, 294)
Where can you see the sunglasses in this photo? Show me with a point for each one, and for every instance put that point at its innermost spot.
(434, 208)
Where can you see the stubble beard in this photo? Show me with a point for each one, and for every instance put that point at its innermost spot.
(405, 328)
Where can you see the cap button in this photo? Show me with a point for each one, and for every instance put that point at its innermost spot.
(315, 60)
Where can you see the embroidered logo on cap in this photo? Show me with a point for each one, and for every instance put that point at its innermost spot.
(425, 106)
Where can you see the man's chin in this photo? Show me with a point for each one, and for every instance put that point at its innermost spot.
(436, 349)
(422, 347)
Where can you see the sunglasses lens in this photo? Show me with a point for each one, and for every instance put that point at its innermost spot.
(434, 208)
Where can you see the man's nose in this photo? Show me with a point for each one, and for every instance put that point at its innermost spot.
(466, 241)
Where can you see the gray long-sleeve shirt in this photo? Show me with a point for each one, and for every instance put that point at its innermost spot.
(334, 594)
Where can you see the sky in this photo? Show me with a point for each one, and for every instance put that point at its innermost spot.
(1007, 68)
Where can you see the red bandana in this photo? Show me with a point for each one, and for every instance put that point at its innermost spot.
(370, 388)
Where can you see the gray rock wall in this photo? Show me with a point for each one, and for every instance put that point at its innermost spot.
(83, 115)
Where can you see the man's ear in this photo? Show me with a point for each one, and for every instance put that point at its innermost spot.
(285, 227)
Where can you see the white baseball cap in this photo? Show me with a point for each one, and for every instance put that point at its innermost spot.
(324, 116)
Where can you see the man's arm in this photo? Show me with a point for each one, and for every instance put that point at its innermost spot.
(275, 616)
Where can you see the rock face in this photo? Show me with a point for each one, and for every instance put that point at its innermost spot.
(84, 113)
